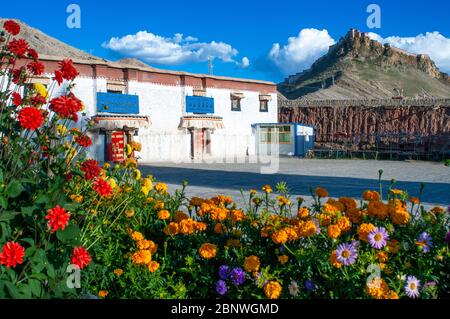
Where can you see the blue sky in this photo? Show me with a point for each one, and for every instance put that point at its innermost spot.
(233, 30)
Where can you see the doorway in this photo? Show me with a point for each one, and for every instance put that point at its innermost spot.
(200, 143)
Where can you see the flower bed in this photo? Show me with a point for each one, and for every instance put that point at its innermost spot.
(130, 238)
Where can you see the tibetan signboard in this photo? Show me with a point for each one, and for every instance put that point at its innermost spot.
(117, 103)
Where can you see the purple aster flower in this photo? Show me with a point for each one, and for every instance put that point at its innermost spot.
(237, 276)
(346, 254)
(309, 285)
(412, 287)
(378, 237)
(429, 284)
(224, 272)
(221, 287)
(281, 249)
(316, 222)
(424, 241)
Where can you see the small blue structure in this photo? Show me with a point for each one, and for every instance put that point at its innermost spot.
(199, 105)
(291, 139)
(117, 103)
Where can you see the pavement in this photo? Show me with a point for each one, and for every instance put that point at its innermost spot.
(339, 177)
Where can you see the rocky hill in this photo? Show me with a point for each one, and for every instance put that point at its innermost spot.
(358, 67)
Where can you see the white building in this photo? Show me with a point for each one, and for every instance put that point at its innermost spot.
(176, 116)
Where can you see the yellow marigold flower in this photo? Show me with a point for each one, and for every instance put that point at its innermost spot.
(128, 150)
(136, 236)
(283, 259)
(334, 231)
(252, 263)
(344, 224)
(303, 213)
(130, 163)
(364, 230)
(171, 229)
(152, 247)
(161, 188)
(220, 229)
(237, 215)
(147, 182)
(397, 192)
(333, 260)
(391, 295)
(272, 290)
(103, 294)
(145, 190)
(267, 189)
(208, 251)
(179, 216)
(163, 214)
(159, 205)
(377, 209)
(136, 174)
(129, 213)
(136, 146)
(219, 213)
(321, 192)
(77, 198)
(371, 196)
(142, 257)
(283, 201)
(118, 272)
(153, 266)
(40, 88)
(280, 237)
(61, 130)
(253, 192)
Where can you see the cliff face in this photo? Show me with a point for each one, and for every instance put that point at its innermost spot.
(422, 125)
(361, 68)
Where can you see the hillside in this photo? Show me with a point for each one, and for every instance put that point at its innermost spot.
(360, 68)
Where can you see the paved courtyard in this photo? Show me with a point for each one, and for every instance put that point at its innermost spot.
(340, 177)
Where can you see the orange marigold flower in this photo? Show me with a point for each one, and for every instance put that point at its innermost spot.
(415, 200)
(303, 213)
(306, 229)
(324, 219)
(333, 260)
(349, 203)
(344, 224)
(58, 218)
(80, 257)
(237, 215)
(396, 192)
(163, 214)
(371, 196)
(377, 289)
(220, 229)
(382, 257)
(200, 226)
(267, 189)
(142, 257)
(333, 206)
(252, 264)
(377, 209)
(153, 266)
(12, 255)
(364, 230)
(280, 237)
(179, 216)
(334, 231)
(172, 229)
(196, 201)
(103, 294)
(186, 226)
(30, 118)
(136, 236)
(398, 214)
(283, 259)
(208, 251)
(161, 188)
(219, 213)
(355, 215)
(437, 210)
(118, 272)
(321, 192)
(272, 290)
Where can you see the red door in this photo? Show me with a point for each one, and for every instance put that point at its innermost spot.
(118, 146)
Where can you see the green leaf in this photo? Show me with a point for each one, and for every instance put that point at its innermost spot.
(28, 211)
(3, 202)
(69, 233)
(13, 292)
(4, 217)
(42, 199)
(51, 271)
(14, 189)
(1, 175)
(35, 287)
(39, 276)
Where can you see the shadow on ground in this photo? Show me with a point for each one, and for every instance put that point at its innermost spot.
(437, 193)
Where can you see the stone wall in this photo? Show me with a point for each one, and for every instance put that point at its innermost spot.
(419, 125)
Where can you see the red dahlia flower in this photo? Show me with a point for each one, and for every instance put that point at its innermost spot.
(80, 257)
(58, 218)
(84, 140)
(32, 53)
(12, 255)
(19, 75)
(36, 67)
(18, 47)
(65, 106)
(67, 70)
(90, 169)
(30, 118)
(38, 100)
(12, 27)
(17, 99)
(102, 187)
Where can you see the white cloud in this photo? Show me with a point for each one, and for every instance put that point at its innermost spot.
(300, 51)
(432, 43)
(157, 49)
(245, 63)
